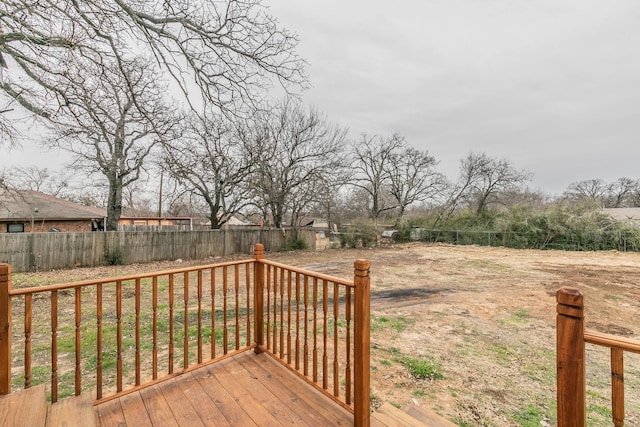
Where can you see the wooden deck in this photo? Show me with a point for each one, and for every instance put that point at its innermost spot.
(247, 389)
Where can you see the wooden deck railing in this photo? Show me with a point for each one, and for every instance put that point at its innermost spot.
(318, 325)
(571, 339)
(121, 334)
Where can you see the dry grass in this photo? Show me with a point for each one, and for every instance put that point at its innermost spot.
(482, 318)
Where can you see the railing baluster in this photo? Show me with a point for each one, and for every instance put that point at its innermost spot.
(617, 387)
(348, 349)
(236, 278)
(268, 326)
(5, 329)
(275, 310)
(213, 313)
(171, 322)
(185, 338)
(247, 282)
(54, 346)
(119, 335)
(199, 316)
(78, 345)
(137, 333)
(305, 361)
(225, 331)
(325, 327)
(28, 312)
(336, 311)
(297, 321)
(315, 329)
(154, 302)
(282, 313)
(289, 317)
(99, 341)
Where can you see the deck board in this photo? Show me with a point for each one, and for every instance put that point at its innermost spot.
(203, 404)
(245, 389)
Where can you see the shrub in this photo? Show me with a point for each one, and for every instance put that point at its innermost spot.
(297, 244)
(113, 257)
(360, 234)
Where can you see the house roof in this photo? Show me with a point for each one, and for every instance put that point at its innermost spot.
(28, 205)
(624, 214)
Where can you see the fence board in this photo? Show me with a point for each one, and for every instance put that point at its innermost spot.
(50, 251)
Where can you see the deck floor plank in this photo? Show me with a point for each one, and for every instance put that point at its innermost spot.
(247, 400)
(204, 405)
(244, 390)
(158, 408)
(135, 413)
(229, 407)
(182, 408)
(294, 392)
(263, 393)
(110, 414)
(26, 407)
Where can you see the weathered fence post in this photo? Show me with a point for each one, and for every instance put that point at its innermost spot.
(258, 296)
(5, 329)
(361, 344)
(570, 358)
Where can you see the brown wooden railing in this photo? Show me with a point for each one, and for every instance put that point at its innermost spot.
(318, 326)
(571, 339)
(121, 334)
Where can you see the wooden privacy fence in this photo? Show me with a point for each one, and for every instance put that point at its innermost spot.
(117, 335)
(49, 251)
(571, 339)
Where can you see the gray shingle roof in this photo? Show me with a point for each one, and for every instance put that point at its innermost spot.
(27, 205)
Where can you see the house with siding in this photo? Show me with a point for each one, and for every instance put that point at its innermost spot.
(27, 211)
(630, 216)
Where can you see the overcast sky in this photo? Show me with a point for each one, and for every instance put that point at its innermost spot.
(551, 85)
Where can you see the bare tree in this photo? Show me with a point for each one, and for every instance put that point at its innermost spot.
(111, 124)
(294, 152)
(209, 162)
(40, 179)
(413, 178)
(593, 191)
(372, 162)
(622, 192)
(483, 180)
(394, 174)
(231, 50)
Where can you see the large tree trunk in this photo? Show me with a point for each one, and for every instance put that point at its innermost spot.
(114, 204)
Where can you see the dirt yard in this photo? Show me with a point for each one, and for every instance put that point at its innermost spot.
(482, 322)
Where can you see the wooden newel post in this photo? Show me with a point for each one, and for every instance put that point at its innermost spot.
(570, 358)
(5, 329)
(361, 344)
(258, 297)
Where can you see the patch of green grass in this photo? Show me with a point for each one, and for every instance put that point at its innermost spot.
(397, 324)
(598, 415)
(529, 416)
(397, 405)
(385, 362)
(394, 350)
(418, 392)
(421, 368)
(517, 317)
(501, 353)
(540, 366)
